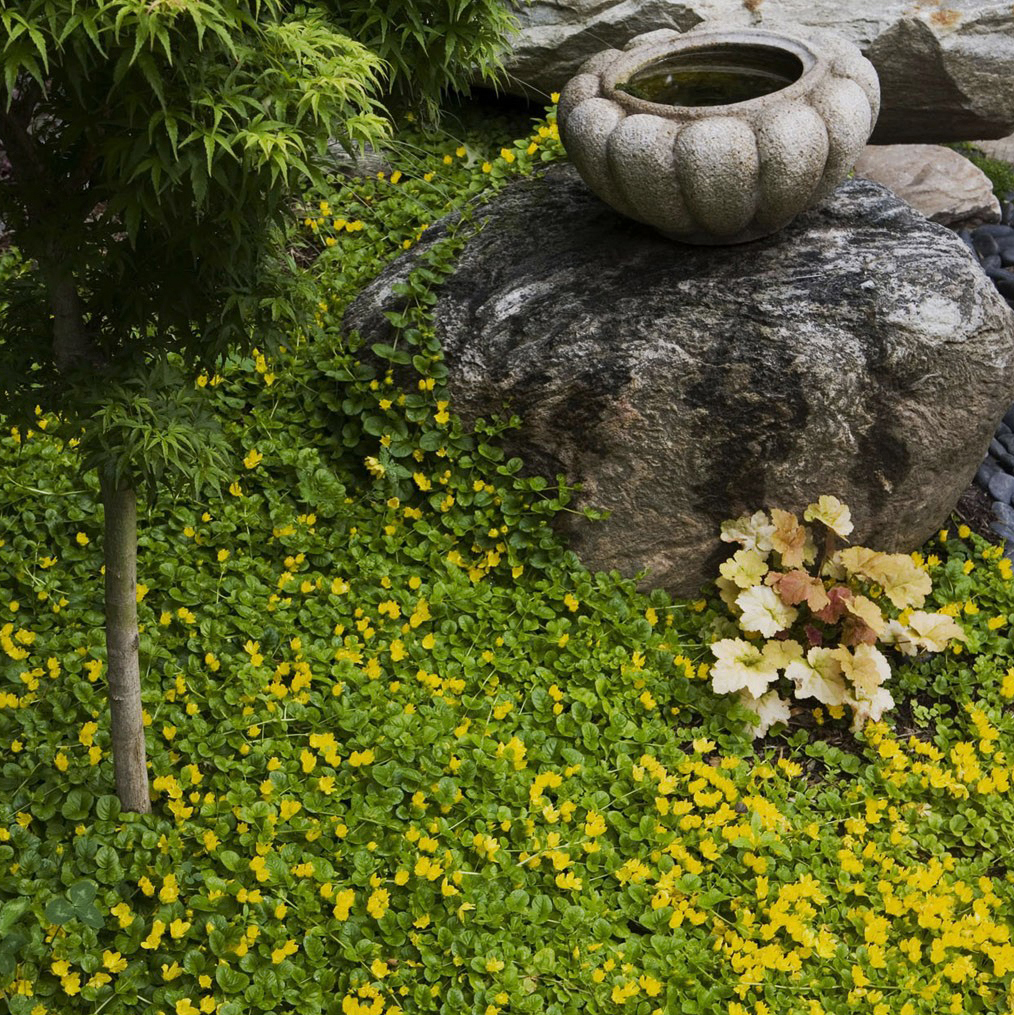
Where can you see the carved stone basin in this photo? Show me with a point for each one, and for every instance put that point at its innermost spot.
(717, 136)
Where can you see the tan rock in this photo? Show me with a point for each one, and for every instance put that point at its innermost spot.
(1002, 150)
(938, 182)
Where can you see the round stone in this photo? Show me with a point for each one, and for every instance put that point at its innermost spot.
(986, 471)
(1003, 512)
(1001, 487)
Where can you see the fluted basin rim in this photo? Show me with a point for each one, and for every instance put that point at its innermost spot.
(629, 63)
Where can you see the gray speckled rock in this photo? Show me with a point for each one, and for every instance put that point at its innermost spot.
(945, 70)
(860, 352)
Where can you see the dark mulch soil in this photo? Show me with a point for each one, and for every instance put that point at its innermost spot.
(974, 510)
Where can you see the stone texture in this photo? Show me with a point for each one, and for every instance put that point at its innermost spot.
(936, 181)
(1001, 149)
(945, 72)
(859, 352)
(728, 176)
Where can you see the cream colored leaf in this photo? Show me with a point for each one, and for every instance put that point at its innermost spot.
(865, 667)
(903, 581)
(934, 630)
(899, 637)
(781, 653)
(751, 531)
(770, 708)
(819, 676)
(829, 510)
(764, 612)
(728, 590)
(741, 666)
(872, 707)
(860, 560)
(745, 568)
(867, 611)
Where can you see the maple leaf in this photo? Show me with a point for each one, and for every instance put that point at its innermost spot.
(838, 597)
(751, 531)
(795, 587)
(739, 666)
(903, 581)
(788, 538)
(745, 567)
(764, 612)
(770, 708)
(934, 630)
(819, 676)
(832, 512)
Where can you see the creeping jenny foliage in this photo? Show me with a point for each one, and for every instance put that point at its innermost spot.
(409, 756)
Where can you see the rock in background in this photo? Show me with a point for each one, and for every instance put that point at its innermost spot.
(936, 181)
(860, 352)
(1002, 150)
(946, 72)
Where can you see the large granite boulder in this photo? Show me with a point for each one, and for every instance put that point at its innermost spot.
(946, 73)
(859, 352)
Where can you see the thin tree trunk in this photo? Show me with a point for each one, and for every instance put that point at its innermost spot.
(129, 759)
(71, 345)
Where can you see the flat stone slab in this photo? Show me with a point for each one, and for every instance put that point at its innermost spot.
(860, 352)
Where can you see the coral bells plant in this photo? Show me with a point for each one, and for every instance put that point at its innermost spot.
(814, 614)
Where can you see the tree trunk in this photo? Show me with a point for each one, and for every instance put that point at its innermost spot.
(129, 759)
(71, 345)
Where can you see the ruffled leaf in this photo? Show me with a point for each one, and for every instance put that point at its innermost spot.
(745, 568)
(832, 512)
(764, 612)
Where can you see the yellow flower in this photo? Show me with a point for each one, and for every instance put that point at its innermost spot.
(153, 940)
(114, 961)
(343, 903)
(81, 539)
(253, 459)
(169, 892)
(378, 902)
